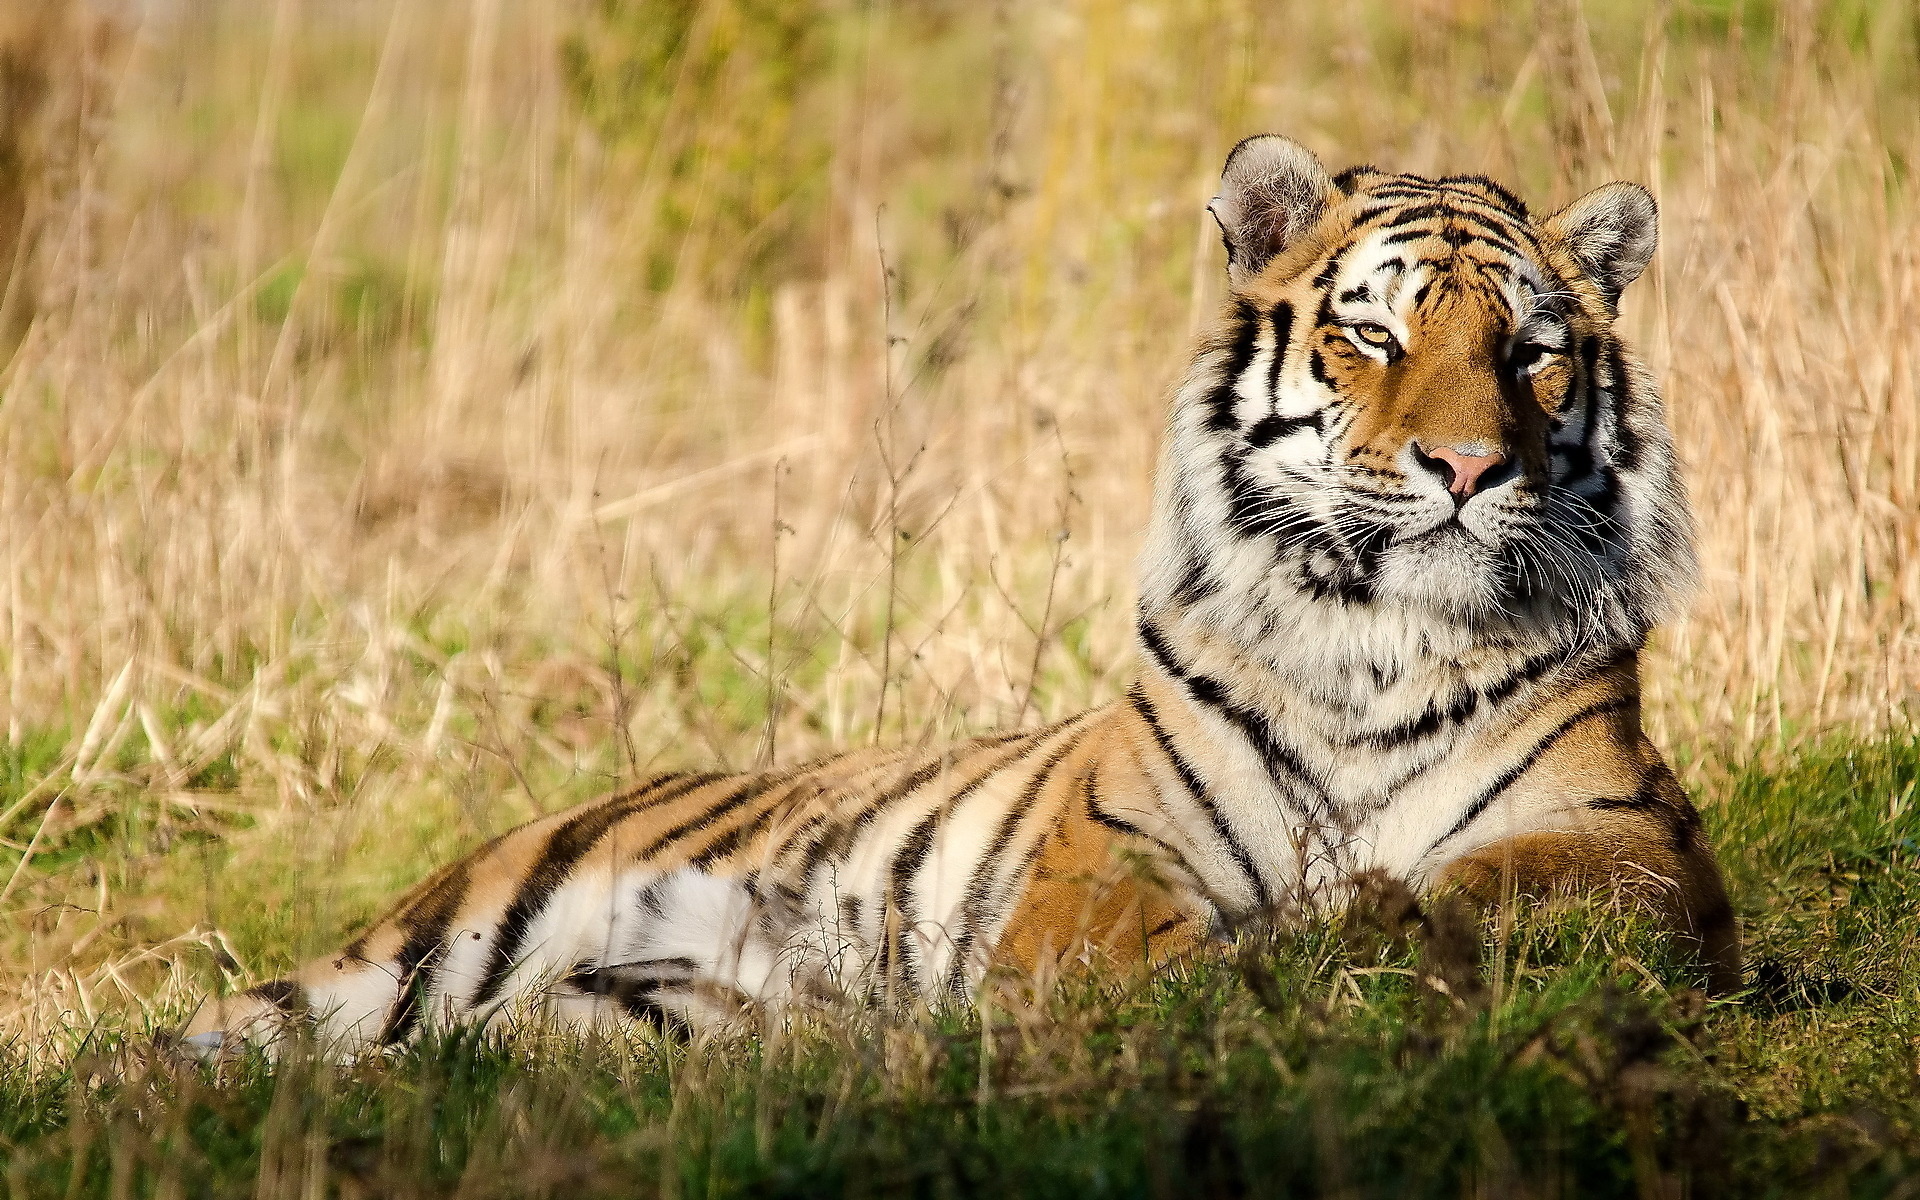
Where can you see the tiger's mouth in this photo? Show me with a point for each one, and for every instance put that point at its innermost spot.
(1445, 533)
(1473, 565)
(1484, 528)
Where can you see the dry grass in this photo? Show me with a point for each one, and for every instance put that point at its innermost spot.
(411, 430)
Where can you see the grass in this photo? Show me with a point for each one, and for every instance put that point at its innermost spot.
(418, 416)
(1565, 1055)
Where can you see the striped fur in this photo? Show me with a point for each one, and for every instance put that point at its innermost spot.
(1344, 669)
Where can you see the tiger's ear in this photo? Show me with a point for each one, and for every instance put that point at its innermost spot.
(1272, 191)
(1612, 232)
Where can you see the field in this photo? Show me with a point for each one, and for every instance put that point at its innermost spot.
(416, 416)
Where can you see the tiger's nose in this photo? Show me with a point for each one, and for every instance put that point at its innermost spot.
(1463, 474)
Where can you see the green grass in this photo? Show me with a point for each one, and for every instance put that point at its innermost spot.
(1567, 1055)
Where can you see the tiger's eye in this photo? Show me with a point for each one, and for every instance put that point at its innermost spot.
(1528, 354)
(1378, 336)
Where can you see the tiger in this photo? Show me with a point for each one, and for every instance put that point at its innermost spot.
(1416, 513)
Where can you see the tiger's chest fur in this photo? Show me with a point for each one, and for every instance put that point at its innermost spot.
(1377, 752)
(1416, 513)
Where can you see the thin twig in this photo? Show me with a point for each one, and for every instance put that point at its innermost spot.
(1040, 636)
(884, 432)
(769, 745)
(616, 642)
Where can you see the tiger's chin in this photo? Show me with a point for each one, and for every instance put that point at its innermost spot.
(1452, 573)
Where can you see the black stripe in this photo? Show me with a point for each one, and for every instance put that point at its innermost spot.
(794, 836)
(913, 852)
(284, 994)
(1244, 327)
(1582, 387)
(1165, 927)
(1252, 510)
(1405, 188)
(1331, 270)
(1254, 726)
(1598, 537)
(912, 855)
(1324, 317)
(986, 871)
(1462, 233)
(1195, 584)
(1504, 197)
(1590, 361)
(1644, 799)
(806, 775)
(1100, 816)
(1270, 429)
(1686, 829)
(1434, 209)
(723, 845)
(1627, 450)
(1408, 235)
(1198, 791)
(726, 843)
(357, 948)
(1648, 799)
(753, 789)
(1579, 460)
(1512, 774)
(1367, 550)
(1456, 229)
(638, 996)
(564, 849)
(837, 838)
(1437, 193)
(1282, 321)
(1601, 535)
(425, 922)
(1460, 203)
(1317, 366)
(680, 964)
(1528, 671)
(1343, 581)
(1425, 725)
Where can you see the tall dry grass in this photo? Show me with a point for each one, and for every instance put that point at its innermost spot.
(424, 413)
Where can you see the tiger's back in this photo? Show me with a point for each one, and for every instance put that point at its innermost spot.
(690, 897)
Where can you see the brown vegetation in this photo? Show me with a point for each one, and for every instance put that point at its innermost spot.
(425, 413)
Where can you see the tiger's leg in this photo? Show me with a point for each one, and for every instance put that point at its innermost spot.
(1658, 859)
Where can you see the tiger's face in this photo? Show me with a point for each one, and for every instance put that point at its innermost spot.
(1424, 399)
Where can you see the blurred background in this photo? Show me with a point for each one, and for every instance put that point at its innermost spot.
(417, 415)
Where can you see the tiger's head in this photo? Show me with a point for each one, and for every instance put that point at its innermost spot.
(1418, 397)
